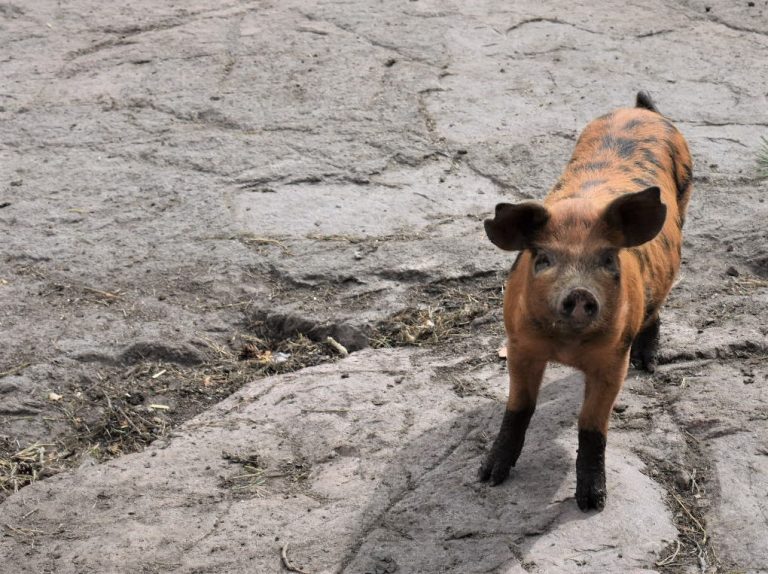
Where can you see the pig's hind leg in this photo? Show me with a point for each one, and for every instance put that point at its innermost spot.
(645, 346)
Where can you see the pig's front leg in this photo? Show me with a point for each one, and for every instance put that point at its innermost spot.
(524, 381)
(600, 391)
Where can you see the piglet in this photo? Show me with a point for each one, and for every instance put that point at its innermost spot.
(597, 260)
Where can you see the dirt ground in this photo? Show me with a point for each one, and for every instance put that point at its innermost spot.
(249, 318)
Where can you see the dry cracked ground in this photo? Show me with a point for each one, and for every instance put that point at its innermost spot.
(195, 196)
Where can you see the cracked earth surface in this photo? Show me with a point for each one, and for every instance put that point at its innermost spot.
(183, 182)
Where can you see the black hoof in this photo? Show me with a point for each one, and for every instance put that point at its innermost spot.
(506, 448)
(590, 470)
(645, 348)
(495, 469)
(590, 494)
(646, 361)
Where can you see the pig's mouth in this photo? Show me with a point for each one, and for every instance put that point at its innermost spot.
(565, 328)
(573, 326)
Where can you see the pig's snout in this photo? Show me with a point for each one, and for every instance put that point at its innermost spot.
(579, 307)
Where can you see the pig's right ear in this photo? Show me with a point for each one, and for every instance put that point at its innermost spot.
(635, 218)
(515, 226)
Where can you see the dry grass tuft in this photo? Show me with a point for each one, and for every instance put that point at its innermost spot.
(252, 478)
(264, 355)
(449, 316)
(25, 466)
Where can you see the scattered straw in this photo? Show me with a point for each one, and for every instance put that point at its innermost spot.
(105, 294)
(762, 158)
(253, 477)
(23, 531)
(14, 370)
(250, 239)
(338, 347)
(671, 558)
(26, 466)
(425, 326)
(702, 530)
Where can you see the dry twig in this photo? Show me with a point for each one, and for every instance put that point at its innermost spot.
(287, 563)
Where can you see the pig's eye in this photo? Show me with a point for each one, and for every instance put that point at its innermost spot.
(609, 261)
(542, 262)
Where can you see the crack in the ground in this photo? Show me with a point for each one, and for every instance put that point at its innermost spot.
(694, 546)
(729, 140)
(162, 24)
(736, 27)
(717, 123)
(234, 36)
(557, 21)
(653, 33)
(372, 41)
(179, 163)
(736, 92)
(733, 350)
(411, 484)
(217, 521)
(209, 117)
(496, 180)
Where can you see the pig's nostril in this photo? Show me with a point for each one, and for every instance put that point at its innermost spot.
(579, 304)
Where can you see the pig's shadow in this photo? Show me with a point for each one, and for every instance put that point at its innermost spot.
(430, 513)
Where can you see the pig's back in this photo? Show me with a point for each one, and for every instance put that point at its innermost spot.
(627, 151)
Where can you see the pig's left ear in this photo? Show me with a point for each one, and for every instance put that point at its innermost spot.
(515, 226)
(635, 218)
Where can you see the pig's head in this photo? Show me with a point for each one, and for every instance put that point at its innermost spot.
(573, 279)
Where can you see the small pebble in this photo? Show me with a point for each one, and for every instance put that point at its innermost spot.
(682, 479)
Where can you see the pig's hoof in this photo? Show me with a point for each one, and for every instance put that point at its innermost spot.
(645, 361)
(506, 448)
(649, 364)
(645, 347)
(590, 494)
(495, 468)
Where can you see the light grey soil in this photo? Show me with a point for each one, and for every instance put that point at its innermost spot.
(186, 186)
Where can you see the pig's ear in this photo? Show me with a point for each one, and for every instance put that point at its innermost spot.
(635, 218)
(515, 226)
